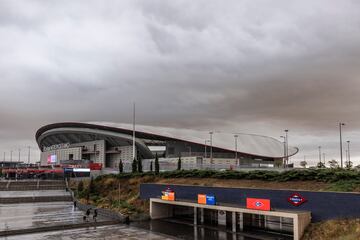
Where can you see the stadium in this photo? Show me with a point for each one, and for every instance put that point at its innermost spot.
(108, 143)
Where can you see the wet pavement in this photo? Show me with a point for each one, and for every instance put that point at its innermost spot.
(33, 215)
(38, 193)
(105, 232)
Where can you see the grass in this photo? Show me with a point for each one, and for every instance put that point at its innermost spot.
(341, 229)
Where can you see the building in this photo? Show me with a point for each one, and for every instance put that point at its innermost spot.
(108, 143)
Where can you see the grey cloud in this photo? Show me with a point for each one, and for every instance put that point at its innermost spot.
(249, 65)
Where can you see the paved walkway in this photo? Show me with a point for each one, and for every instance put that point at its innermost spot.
(104, 232)
(33, 215)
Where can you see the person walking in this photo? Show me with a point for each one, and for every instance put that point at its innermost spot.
(95, 215)
(88, 211)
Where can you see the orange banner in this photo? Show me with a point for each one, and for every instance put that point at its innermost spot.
(258, 204)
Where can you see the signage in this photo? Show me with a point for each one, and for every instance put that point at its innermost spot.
(201, 198)
(206, 199)
(81, 169)
(51, 159)
(168, 195)
(258, 204)
(56, 146)
(296, 199)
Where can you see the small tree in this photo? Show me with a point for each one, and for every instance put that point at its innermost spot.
(134, 166)
(303, 164)
(121, 166)
(320, 165)
(151, 166)
(157, 165)
(348, 165)
(179, 163)
(80, 187)
(333, 164)
(91, 186)
(139, 165)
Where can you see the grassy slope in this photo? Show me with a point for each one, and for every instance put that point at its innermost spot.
(107, 196)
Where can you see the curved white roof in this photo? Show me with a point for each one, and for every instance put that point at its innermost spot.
(247, 143)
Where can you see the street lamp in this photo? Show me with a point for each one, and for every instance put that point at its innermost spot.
(211, 153)
(287, 146)
(11, 156)
(29, 155)
(341, 150)
(348, 150)
(284, 158)
(236, 157)
(205, 153)
(320, 154)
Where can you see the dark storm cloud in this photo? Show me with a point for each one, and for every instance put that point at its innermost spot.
(254, 66)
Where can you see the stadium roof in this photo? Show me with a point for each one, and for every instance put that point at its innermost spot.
(251, 144)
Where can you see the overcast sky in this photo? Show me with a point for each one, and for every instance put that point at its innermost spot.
(233, 66)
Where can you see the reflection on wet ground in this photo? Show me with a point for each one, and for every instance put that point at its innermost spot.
(189, 232)
(105, 232)
(32, 215)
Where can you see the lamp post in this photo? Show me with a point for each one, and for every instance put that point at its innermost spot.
(4, 157)
(348, 150)
(236, 157)
(320, 154)
(19, 155)
(205, 153)
(284, 158)
(287, 146)
(211, 153)
(133, 137)
(324, 158)
(341, 150)
(29, 155)
(11, 156)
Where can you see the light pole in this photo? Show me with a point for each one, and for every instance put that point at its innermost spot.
(236, 157)
(284, 159)
(205, 153)
(324, 158)
(133, 140)
(320, 154)
(287, 146)
(19, 155)
(11, 156)
(4, 157)
(29, 155)
(341, 150)
(348, 150)
(211, 153)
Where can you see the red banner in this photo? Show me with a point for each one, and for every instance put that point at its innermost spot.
(258, 204)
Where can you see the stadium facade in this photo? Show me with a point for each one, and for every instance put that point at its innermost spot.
(108, 143)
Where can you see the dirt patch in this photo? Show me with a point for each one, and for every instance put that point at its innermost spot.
(211, 182)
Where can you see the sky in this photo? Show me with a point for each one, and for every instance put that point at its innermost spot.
(230, 66)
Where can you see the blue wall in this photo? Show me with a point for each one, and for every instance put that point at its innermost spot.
(323, 205)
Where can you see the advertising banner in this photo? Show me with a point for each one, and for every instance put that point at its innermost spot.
(201, 199)
(51, 159)
(258, 204)
(206, 199)
(168, 195)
